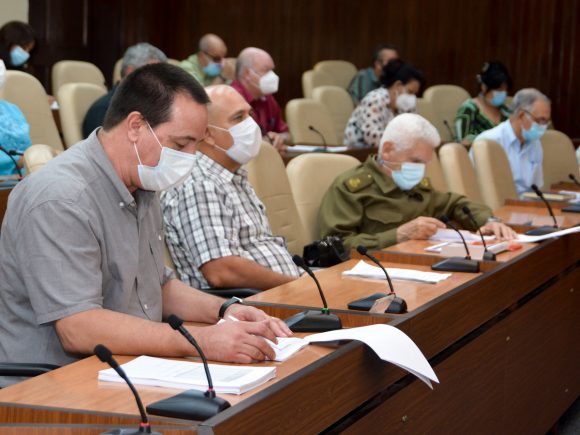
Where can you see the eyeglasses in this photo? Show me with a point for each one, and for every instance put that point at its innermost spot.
(216, 59)
(541, 121)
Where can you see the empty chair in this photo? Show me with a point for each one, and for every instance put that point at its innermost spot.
(559, 158)
(75, 71)
(445, 100)
(310, 177)
(494, 175)
(339, 105)
(312, 79)
(38, 155)
(434, 172)
(75, 100)
(303, 113)
(340, 70)
(29, 95)
(267, 174)
(458, 171)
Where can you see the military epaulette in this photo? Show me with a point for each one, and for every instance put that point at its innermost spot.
(358, 182)
(425, 184)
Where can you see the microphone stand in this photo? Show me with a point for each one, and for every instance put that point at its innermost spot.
(456, 264)
(311, 128)
(487, 254)
(546, 229)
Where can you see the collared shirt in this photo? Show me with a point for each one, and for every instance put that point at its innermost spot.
(525, 161)
(470, 121)
(368, 121)
(75, 239)
(363, 82)
(365, 207)
(192, 66)
(215, 213)
(266, 113)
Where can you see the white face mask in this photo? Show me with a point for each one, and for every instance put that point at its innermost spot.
(2, 74)
(406, 103)
(269, 83)
(172, 169)
(247, 140)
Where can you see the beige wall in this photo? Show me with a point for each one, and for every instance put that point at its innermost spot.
(13, 10)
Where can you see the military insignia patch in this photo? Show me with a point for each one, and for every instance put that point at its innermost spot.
(354, 184)
(425, 184)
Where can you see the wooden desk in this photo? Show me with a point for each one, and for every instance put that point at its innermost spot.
(522, 216)
(565, 185)
(538, 203)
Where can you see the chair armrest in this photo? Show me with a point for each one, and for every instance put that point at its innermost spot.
(25, 369)
(231, 292)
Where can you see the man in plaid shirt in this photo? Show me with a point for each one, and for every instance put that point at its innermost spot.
(216, 227)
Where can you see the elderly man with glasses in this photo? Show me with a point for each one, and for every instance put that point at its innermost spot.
(520, 137)
(209, 65)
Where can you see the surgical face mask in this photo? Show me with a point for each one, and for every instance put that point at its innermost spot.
(406, 103)
(172, 169)
(19, 56)
(212, 69)
(409, 175)
(247, 139)
(269, 83)
(498, 98)
(535, 132)
(2, 74)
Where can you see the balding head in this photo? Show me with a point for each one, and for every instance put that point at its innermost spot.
(227, 106)
(212, 48)
(253, 63)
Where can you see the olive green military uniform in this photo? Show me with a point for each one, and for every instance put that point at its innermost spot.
(365, 207)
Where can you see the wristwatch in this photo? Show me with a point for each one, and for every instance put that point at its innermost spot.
(493, 219)
(226, 305)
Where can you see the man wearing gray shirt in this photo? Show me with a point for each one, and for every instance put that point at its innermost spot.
(81, 241)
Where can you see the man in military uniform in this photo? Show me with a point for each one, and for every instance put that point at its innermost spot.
(387, 200)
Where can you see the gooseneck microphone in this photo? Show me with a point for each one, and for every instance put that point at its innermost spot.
(105, 355)
(311, 128)
(11, 154)
(574, 179)
(487, 254)
(449, 130)
(313, 320)
(191, 404)
(546, 229)
(397, 305)
(456, 264)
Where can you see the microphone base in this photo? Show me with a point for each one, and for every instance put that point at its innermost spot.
(457, 264)
(313, 321)
(129, 432)
(489, 256)
(541, 231)
(189, 405)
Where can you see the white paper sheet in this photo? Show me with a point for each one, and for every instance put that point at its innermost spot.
(389, 343)
(365, 270)
(523, 238)
(447, 235)
(316, 148)
(286, 347)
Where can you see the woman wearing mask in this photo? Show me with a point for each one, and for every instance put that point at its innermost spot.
(400, 83)
(16, 43)
(488, 109)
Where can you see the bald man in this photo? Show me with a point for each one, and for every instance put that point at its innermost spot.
(216, 229)
(209, 66)
(257, 82)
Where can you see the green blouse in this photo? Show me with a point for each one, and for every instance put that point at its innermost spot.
(470, 121)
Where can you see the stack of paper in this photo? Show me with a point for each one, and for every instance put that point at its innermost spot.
(317, 148)
(447, 235)
(159, 372)
(365, 270)
(523, 238)
(286, 347)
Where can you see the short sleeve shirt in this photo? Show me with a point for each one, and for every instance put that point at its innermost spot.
(75, 239)
(368, 121)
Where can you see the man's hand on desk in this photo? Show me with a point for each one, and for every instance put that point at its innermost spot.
(251, 314)
(499, 230)
(420, 228)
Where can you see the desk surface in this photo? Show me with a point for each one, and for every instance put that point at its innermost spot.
(530, 215)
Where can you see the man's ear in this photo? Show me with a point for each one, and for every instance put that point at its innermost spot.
(134, 122)
(388, 148)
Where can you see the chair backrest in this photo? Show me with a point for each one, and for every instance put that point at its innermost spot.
(445, 100)
(559, 158)
(75, 100)
(27, 93)
(302, 113)
(426, 110)
(339, 105)
(459, 172)
(36, 156)
(310, 177)
(312, 79)
(75, 71)
(267, 174)
(340, 70)
(493, 172)
(434, 172)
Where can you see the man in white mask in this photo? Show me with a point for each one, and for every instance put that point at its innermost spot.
(216, 228)
(81, 242)
(256, 81)
(387, 199)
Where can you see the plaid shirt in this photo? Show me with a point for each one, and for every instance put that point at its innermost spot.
(215, 213)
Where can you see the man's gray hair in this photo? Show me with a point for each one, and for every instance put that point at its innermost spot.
(245, 60)
(405, 129)
(524, 99)
(139, 55)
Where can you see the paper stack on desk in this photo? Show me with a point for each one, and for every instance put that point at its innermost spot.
(365, 270)
(524, 238)
(447, 235)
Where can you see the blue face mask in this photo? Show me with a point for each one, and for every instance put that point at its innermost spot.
(409, 175)
(535, 132)
(212, 69)
(19, 56)
(498, 98)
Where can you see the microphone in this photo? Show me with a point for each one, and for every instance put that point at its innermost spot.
(397, 305)
(313, 320)
(449, 129)
(10, 154)
(456, 264)
(311, 128)
(546, 229)
(191, 404)
(487, 254)
(574, 179)
(105, 355)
